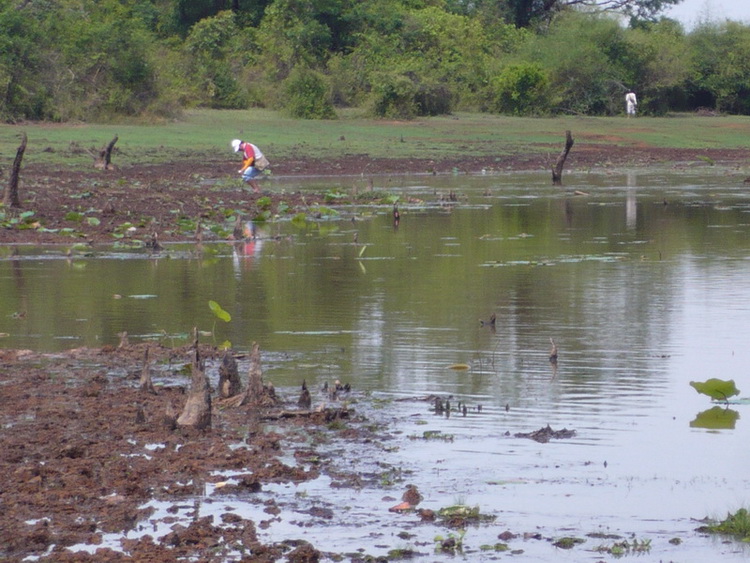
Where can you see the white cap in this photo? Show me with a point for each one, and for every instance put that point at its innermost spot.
(236, 145)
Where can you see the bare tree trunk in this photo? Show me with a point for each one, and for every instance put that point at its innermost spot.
(558, 168)
(229, 377)
(10, 198)
(104, 162)
(197, 410)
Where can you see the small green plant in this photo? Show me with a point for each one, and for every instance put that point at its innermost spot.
(625, 547)
(391, 476)
(737, 525)
(495, 547)
(222, 315)
(432, 435)
(333, 195)
(453, 543)
(568, 542)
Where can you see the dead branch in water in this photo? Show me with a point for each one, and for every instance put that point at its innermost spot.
(558, 168)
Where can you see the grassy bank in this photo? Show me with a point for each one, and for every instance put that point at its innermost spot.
(206, 134)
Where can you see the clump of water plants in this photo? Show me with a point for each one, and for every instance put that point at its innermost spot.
(568, 542)
(736, 525)
(452, 543)
(433, 435)
(625, 547)
(459, 516)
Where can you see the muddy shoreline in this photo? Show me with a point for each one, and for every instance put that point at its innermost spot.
(182, 201)
(84, 449)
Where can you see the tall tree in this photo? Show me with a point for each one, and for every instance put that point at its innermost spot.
(525, 12)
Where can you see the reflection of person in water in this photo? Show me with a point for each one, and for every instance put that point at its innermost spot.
(244, 253)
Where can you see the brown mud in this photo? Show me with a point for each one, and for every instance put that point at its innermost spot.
(75, 426)
(155, 198)
(79, 458)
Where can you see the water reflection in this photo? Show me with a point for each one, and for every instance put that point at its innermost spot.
(638, 297)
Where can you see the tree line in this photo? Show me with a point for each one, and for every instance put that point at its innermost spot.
(92, 60)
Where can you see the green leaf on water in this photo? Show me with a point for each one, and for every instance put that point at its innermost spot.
(219, 312)
(717, 389)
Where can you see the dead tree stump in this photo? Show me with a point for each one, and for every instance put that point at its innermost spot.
(10, 198)
(305, 400)
(146, 384)
(197, 411)
(104, 160)
(558, 168)
(229, 377)
(256, 393)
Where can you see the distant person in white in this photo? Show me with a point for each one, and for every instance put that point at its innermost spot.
(630, 104)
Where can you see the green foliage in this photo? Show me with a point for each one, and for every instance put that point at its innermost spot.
(568, 542)
(307, 95)
(721, 62)
(394, 96)
(717, 389)
(219, 312)
(625, 547)
(522, 89)
(210, 45)
(22, 63)
(737, 525)
(104, 59)
(589, 74)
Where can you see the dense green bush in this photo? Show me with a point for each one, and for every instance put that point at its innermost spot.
(307, 95)
(522, 89)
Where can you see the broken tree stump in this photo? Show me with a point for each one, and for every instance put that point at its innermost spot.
(229, 377)
(558, 168)
(305, 400)
(257, 393)
(146, 384)
(10, 197)
(197, 411)
(104, 160)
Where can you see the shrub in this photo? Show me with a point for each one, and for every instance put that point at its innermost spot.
(521, 89)
(307, 95)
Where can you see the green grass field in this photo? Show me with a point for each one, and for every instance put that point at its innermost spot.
(207, 133)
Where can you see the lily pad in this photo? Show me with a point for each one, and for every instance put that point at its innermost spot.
(717, 389)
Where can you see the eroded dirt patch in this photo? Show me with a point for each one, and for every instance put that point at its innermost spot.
(84, 450)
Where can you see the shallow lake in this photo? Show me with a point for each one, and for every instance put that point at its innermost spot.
(641, 279)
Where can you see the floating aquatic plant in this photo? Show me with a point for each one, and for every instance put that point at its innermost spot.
(717, 389)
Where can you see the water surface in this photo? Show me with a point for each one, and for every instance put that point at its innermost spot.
(642, 281)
